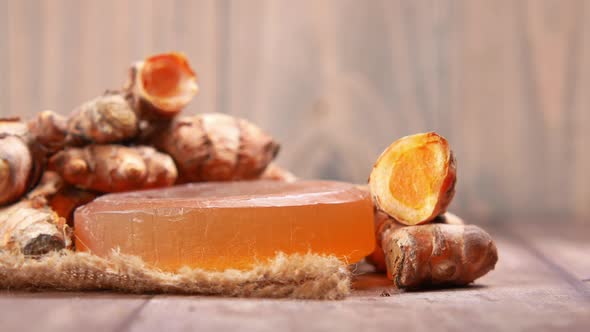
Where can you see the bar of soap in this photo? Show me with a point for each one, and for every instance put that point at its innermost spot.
(216, 226)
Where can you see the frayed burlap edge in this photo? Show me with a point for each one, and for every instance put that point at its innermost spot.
(306, 276)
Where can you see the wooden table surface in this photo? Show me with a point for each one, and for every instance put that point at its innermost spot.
(541, 283)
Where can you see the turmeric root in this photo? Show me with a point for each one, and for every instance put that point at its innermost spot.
(32, 228)
(49, 185)
(49, 129)
(438, 254)
(216, 147)
(31, 231)
(414, 178)
(377, 257)
(277, 173)
(66, 200)
(114, 168)
(161, 85)
(21, 161)
(385, 224)
(105, 119)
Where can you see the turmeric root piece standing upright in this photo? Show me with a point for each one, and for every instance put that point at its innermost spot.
(414, 178)
(160, 86)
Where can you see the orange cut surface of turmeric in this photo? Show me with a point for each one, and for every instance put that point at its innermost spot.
(218, 226)
(413, 179)
(160, 78)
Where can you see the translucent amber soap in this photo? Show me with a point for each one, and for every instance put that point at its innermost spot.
(216, 226)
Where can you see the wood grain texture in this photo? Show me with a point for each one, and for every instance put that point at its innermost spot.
(530, 290)
(566, 247)
(336, 81)
(68, 312)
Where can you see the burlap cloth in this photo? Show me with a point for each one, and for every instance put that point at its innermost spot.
(306, 276)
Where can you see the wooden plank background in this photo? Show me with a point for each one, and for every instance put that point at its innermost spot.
(507, 82)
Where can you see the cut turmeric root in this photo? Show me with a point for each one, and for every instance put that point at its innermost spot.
(31, 230)
(412, 183)
(414, 178)
(161, 85)
(29, 226)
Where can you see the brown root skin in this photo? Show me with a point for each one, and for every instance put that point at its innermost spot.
(438, 255)
(106, 119)
(49, 185)
(216, 147)
(161, 172)
(414, 178)
(32, 228)
(50, 130)
(21, 161)
(114, 168)
(161, 85)
(385, 224)
(277, 173)
(382, 222)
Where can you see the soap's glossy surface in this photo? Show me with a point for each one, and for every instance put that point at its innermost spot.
(229, 225)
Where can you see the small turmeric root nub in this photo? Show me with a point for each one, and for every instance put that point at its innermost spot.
(277, 173)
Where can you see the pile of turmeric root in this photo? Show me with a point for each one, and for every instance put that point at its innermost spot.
(127, 139)
(135, 138)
